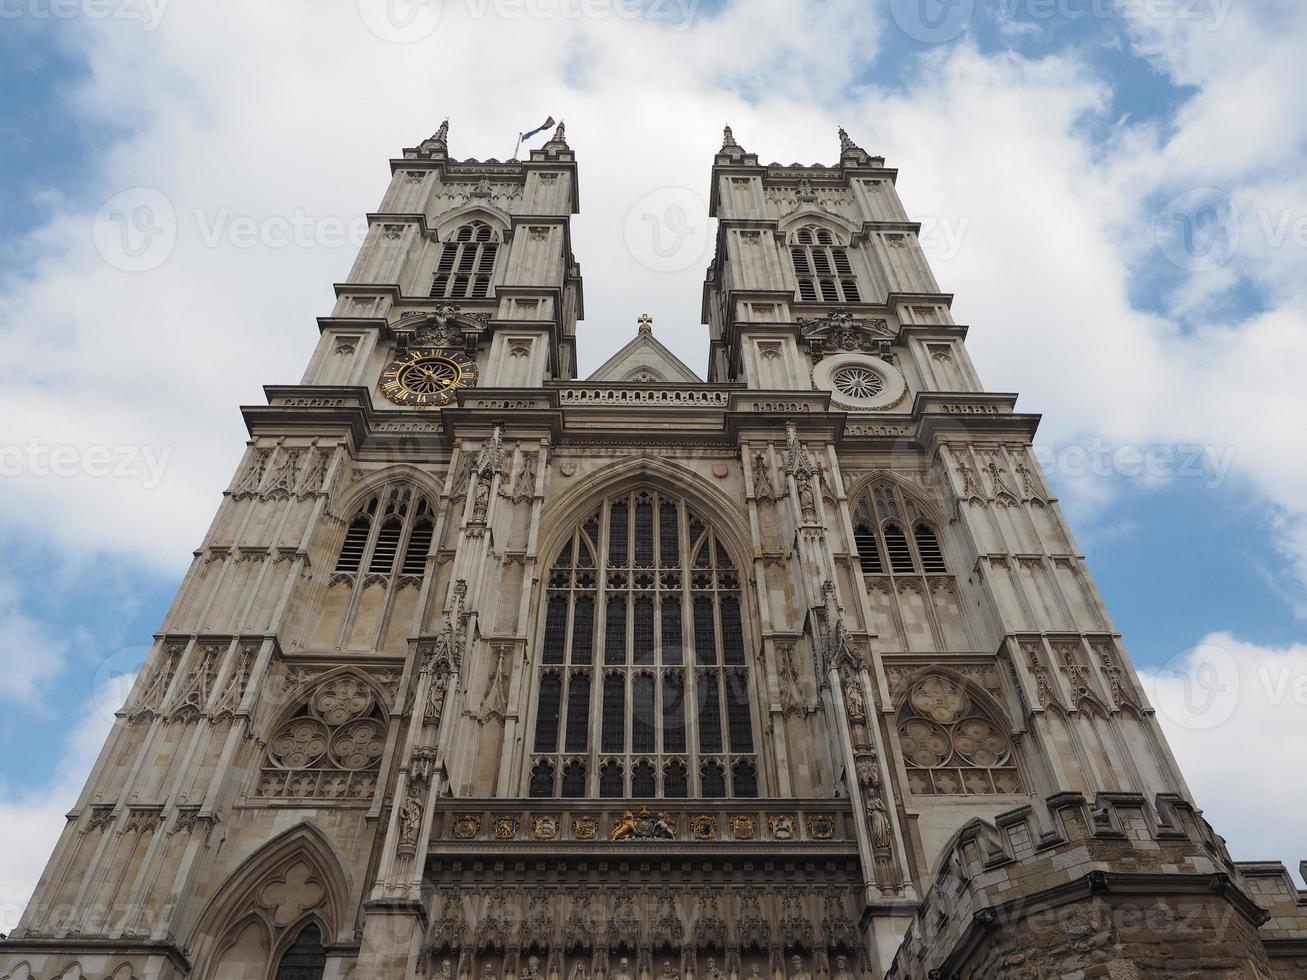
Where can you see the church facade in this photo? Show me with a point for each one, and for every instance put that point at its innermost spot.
(483, 671)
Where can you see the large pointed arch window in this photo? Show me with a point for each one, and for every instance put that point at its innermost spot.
(822, 267)
(306, 959)
(389, 534)
(466, 263)
(643, 684)
(893, 536)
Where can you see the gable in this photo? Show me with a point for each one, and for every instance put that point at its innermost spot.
(644, 360)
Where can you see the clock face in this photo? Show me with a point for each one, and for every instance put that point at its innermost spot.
(427, 376)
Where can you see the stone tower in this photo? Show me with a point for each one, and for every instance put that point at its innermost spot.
(485, 672)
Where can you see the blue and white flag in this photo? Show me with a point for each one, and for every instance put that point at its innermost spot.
(540, 129)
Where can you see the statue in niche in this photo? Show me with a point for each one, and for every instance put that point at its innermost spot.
(482, 501)
(668, 973)
(853, 701)
(446, 970)
(842, 971)
(623, 970)
(488, 972)
(712, 972)
(578, 972)
(754, 973)
(532, 971)
(797, 971)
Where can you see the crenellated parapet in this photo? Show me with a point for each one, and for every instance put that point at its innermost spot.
(1120, 884)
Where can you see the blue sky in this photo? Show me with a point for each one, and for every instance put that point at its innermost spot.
(1056, 142)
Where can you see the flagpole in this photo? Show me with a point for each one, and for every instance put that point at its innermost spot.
(518, 147)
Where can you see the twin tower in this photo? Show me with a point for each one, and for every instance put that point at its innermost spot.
(484, 671)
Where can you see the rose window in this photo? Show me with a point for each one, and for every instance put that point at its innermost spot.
(858, 382)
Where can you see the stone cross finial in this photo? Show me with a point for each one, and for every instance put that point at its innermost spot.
(645, 323)
(442, 134)
(846, 144)
(560, 134)
(728, 138)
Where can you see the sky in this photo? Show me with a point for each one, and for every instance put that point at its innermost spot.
(1113, 190)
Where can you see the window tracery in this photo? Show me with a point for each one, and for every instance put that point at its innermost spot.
(822, 267)
(467, 263)
(952, 743)
(390, 533)
(643, 687)
(892, 535)
(330, 748)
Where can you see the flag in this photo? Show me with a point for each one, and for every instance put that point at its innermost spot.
(539, 129)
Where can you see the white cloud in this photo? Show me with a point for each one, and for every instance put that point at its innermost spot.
(1235, 714)
(32, 654)
(262, 111)
(31, 821)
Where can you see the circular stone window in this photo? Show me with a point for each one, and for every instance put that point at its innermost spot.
(860, 382)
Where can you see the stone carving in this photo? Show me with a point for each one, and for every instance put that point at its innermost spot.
(506, 828)
(841, 971)
(197, 685)
(643, 826)
(796, 930)
(837, 650)
(524, 488)
(254, 473)
(585, 827)
(229, 699)
(544, 828)
(870, 781)
(797, 970)
(467, 826)
(668, 933)
(410, 819)
(754, 931)
(951, 743)
(743, 827)
(791, 687)
(286, 477)
(782, 826)
(703, 827)
(152, 697)
(762, 483)
(841, 331)
(837, 925)
(710, 930)
(624, 929)
(490, 459)
(854, 705)
(494, 703)
(821, 826)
